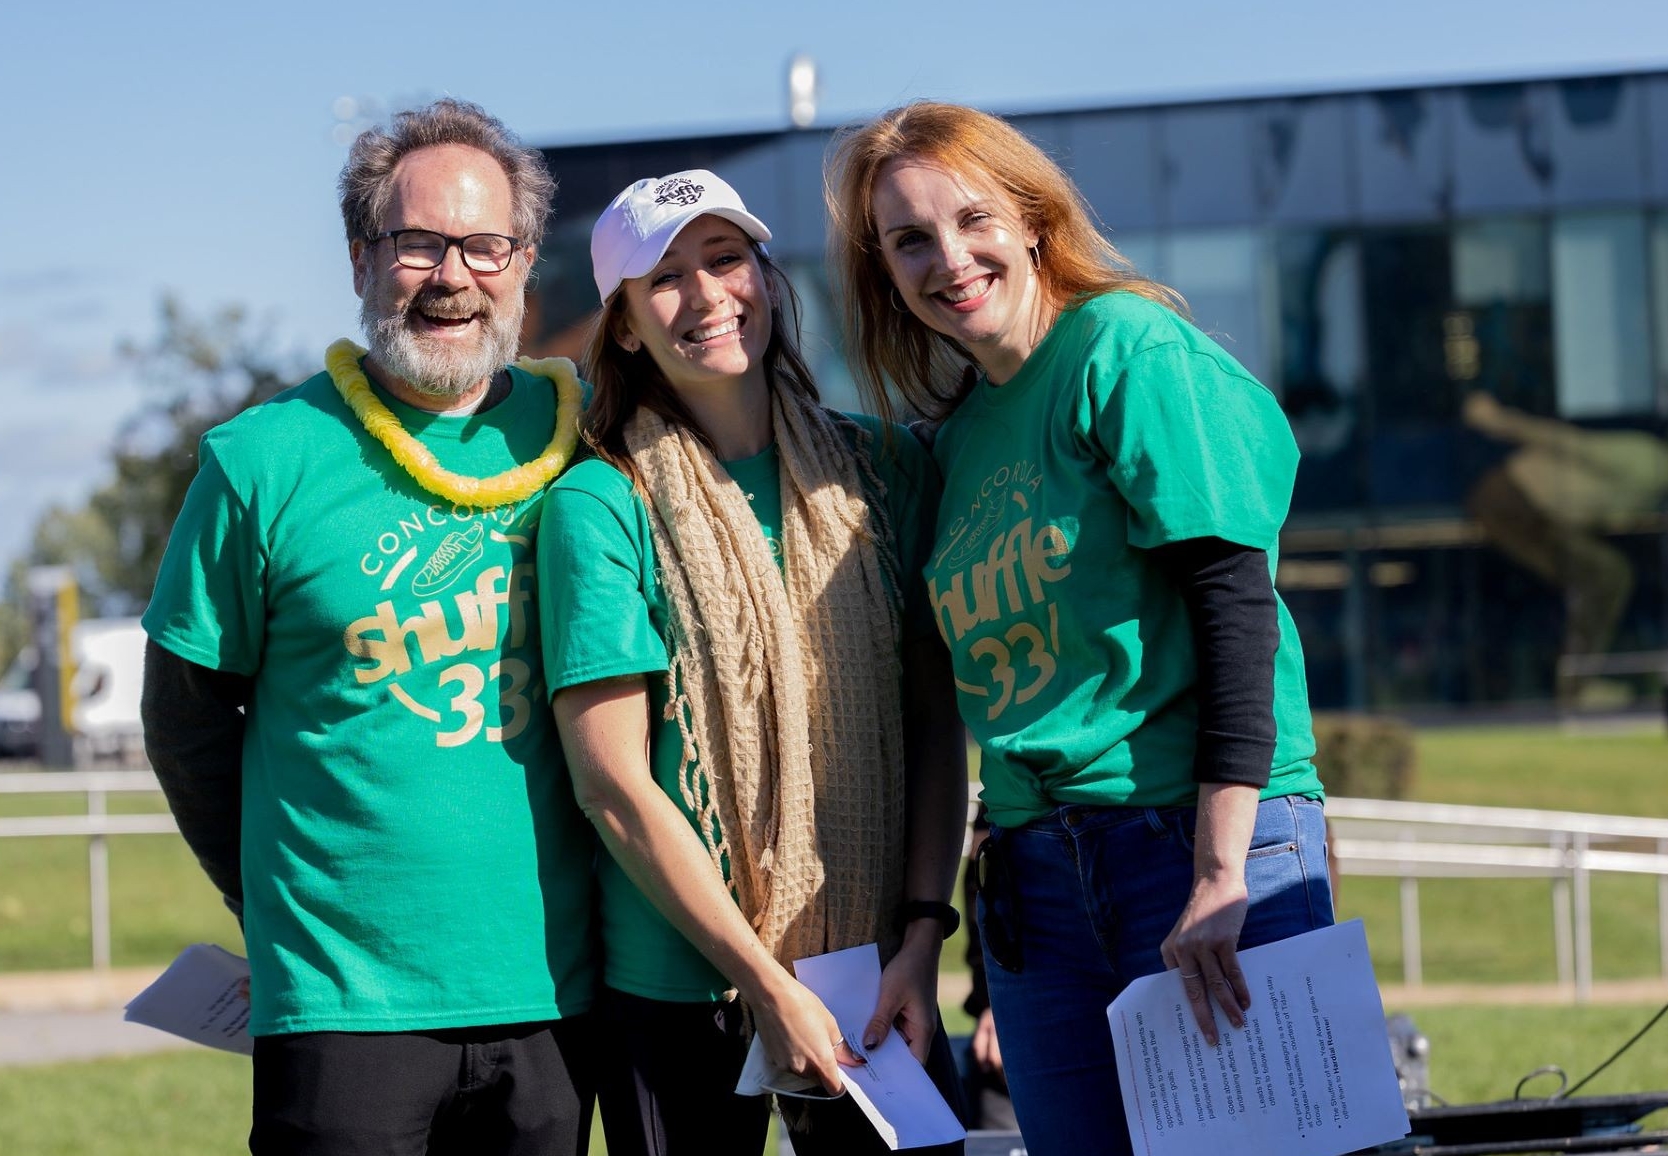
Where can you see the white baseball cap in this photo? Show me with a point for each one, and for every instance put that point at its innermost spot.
(636, 229)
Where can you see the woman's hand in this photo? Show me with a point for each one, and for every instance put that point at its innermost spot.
(605, 733)
(909, 991)
(799, 1034)
(1203, 946)
(1204, 943)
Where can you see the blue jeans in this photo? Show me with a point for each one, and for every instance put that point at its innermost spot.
(1074, 906)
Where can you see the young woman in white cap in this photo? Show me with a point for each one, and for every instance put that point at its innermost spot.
(734, 634)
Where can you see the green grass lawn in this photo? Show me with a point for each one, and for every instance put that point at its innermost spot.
(180, 1103)
(196, 1103)
(1621, 773)
(160, 901)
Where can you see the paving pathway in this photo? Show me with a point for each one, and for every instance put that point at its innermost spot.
(51, 1037)
(52, 1017)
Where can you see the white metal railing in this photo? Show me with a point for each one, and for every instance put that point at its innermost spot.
(96, 824)
(1413, 841)
(1370, 837)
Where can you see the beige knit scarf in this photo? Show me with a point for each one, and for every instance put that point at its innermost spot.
(785, 682)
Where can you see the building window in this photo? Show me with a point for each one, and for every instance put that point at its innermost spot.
(1659, 307)
(1600, 319)
(1322, 362)
(1495, 333)
(1140, 250)
(1220, 272)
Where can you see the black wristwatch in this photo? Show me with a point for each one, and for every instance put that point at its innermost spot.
(914, 909)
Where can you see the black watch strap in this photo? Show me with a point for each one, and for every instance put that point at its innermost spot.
(914, 909)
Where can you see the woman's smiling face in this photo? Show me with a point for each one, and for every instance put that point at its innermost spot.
(703, 311)
(958, 251)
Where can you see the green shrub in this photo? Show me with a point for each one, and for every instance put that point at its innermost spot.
(1365, 756)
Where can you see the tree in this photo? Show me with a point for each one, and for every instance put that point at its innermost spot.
(204, 369)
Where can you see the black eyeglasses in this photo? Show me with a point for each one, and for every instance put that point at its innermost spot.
(426, 249)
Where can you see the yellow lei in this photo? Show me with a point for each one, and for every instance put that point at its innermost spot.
(342, 360)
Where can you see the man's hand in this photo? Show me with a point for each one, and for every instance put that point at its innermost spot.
(987, 1052)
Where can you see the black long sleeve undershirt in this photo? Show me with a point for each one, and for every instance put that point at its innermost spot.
(194, 721)
(1231, 605)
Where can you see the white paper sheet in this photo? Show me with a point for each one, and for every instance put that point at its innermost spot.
(1309, 1075)
(893, 1089)
(202, 997)
(759, 1077)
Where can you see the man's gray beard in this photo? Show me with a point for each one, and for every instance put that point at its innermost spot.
(444, 374)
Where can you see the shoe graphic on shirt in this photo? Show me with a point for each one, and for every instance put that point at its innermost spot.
(449, 561)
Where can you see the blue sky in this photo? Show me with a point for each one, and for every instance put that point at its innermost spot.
(145, 148)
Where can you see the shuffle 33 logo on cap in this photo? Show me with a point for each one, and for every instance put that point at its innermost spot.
(677, 191)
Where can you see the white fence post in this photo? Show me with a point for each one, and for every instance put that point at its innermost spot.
(1662, 910)
(1413, 964)
(1583, 911)
(1562, 937)
(98, 884)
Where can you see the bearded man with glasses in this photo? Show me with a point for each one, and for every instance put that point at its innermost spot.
(343, 692)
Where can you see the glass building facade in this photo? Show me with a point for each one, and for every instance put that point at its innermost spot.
(1459, 294)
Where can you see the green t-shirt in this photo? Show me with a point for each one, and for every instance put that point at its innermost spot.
(1125, 429)
(412, 854)
(597, 578)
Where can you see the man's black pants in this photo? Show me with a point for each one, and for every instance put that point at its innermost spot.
(501, 1090)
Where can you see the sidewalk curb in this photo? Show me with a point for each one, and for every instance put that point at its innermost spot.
(1610, 991)
(50, 991)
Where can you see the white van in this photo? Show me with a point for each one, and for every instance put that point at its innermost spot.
(109, 674)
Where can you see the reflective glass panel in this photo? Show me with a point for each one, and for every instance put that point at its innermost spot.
(1220, 273)
(1502, 147)
(756, 174)
(1655, 90)
(1321, 368)
(1207, 165)
(1401, 149)
(1301, 159)
(1495, 332)
(1601, 323)
(1597, 141)
(1407, 276)
(801, 227)
(1414, 440)
(1142, 249)
(820, 339)
(1049, 133)
(1659, 306)
(1113, 159)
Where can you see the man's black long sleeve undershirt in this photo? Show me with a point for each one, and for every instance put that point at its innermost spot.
(194, 719)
